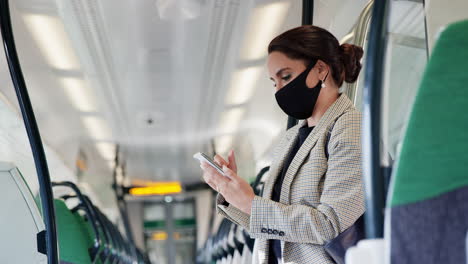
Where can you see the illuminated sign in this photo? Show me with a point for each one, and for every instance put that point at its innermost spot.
(157, 188)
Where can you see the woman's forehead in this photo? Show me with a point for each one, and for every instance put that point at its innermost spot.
(277, 61)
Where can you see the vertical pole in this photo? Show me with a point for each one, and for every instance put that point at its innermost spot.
(170, 244)
(122, 204)
(371, 134)
(45, 187)
(307, 12)
(307, 18)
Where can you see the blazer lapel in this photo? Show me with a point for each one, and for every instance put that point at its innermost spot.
(333, 112)
(279, 160)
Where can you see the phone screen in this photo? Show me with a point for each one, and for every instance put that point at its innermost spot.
(203, 157)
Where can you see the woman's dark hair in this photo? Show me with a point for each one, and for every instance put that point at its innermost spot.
(310, 42)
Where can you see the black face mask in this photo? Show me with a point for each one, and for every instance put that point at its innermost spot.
(296, 99)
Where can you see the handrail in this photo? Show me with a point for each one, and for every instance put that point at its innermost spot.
(358, 36)
(45, 188)
(107, 253)
(258, 179)
(374, 74)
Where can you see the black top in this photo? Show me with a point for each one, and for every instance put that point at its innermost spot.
(275, 245)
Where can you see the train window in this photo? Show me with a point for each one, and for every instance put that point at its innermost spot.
(405, 61)
(406, 58)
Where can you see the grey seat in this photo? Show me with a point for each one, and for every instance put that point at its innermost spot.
(22, 222)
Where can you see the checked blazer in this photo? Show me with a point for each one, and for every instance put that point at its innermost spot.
(322, 192)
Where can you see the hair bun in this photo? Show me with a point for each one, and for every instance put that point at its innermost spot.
(351, 57)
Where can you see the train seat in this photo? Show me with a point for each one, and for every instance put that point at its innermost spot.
(429, 191)
(239, 244)
(22, 221)
(72, 235)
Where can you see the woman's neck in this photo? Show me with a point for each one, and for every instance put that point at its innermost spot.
(327, 97)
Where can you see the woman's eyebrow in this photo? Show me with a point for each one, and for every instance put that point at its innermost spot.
(278, 73)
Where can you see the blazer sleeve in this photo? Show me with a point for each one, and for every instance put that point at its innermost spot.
(234, 214)
(341, 202)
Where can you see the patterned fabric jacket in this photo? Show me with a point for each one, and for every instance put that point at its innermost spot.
(322, 193)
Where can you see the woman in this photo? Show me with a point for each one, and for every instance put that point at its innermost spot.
(315, 189)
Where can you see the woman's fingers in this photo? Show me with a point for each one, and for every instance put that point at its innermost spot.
(238, 193)
(213, 177)
(221, 162)
(230, 173)
(232, 161)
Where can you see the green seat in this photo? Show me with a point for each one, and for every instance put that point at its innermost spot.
(73, 238)
(429, 192)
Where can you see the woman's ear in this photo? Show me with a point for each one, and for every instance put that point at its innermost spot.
(322, 69)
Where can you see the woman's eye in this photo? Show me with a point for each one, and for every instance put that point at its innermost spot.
(286, 78)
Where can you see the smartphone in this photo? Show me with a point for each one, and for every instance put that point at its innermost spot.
(203, 157)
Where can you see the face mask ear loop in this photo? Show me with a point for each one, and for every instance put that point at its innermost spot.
(324, 79)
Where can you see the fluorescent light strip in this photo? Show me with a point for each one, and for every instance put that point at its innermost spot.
(111, 165)
(243, 85)
(79, 94)
(49, 33)
(107, 150)
(97, 128)
(264, 24)
(223, 144)
(231, 119)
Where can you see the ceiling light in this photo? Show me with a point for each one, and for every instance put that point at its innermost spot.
(223, 144)
(79, 94)
(230, 120)
(177, 9)
(97, 128)
(264, 24)
(158, 188)
(106, 149)
(49, 34)
(243, 84)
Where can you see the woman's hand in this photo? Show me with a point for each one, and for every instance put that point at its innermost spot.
(235, 190)
(232, 161)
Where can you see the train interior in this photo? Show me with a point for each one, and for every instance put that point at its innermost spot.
(125, 92)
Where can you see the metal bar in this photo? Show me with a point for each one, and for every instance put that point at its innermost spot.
(121, 203)
(307, 12)
(374, 74)
(307, 18)
(426, 33)
(45, 188)
(170, 243)
(359, 34)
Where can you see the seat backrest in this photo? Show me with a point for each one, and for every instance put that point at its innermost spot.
(429, 192)
(72, 235)
(434, 152)
(21, 220)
